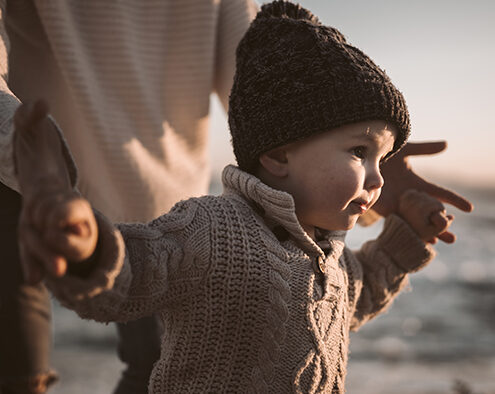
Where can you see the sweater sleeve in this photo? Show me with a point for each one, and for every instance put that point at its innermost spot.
(140, 268)
(8, 105)
(379, 270)
(233, 21)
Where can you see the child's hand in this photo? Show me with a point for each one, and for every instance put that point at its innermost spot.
(56, 225)
(426, 215)
(54, 229)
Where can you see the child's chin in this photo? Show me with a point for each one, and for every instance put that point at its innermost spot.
(350, 227)
(344, 226)
(352, 222)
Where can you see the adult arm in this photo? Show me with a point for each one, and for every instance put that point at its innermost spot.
(234, 19)
(9, 103)
(80, 253)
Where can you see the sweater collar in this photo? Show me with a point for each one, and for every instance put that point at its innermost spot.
(278, 208)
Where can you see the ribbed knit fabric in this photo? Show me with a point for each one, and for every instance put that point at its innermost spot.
(243, 310)
(129, 83)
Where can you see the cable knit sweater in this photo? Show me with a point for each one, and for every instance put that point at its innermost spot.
(249, 302)
(129, 83)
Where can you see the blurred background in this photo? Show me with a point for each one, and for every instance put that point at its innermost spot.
(440, 54)
(439, 338)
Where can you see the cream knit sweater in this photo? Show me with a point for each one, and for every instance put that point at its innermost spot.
(243, 310)
(129, 83)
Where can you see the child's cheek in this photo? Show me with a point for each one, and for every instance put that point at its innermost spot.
(376, 196)
(350, 184)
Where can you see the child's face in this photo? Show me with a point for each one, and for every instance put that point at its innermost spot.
(335, 176)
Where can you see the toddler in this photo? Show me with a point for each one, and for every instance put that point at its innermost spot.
(255, 288)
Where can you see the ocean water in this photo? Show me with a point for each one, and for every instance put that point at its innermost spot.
(439, 337)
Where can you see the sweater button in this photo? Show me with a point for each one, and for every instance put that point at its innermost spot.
(321, 264)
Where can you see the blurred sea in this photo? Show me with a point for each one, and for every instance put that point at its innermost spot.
(437, 338)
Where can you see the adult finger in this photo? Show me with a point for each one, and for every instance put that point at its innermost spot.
(46, 210)
(423, 148)
(447, 237)
(32, 269)
(28, 114)
(39, 111)
(21, 116)
(51, 262)
(446, 196)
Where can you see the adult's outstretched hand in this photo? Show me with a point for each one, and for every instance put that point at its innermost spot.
(56, 225)
(399, 177)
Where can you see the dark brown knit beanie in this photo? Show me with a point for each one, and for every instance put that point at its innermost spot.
(296, 77)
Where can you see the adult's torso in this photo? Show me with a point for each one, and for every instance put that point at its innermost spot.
(129, 83)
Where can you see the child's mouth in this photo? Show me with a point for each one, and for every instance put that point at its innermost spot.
(359, 206)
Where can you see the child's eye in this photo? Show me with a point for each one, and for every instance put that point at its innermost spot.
(359, 152)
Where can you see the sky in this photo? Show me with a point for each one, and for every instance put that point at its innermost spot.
(441, 55)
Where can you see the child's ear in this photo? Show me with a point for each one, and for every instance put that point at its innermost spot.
(275, 161)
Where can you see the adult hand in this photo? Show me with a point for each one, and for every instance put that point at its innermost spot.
(55, 224)
(399, 177)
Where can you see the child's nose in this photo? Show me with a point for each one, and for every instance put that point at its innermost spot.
(374, 179)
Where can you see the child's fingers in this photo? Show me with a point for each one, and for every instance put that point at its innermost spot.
(427, 216)
(439, 219)
(56, 225)
(72, 230)
(431, 206)
(74, 247)
(61, 213)
(419, 201)
(442, 221)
